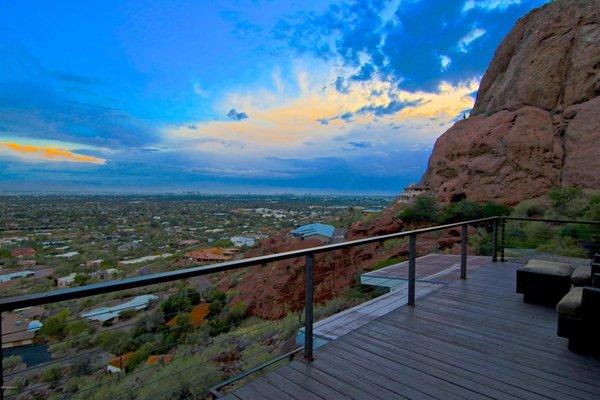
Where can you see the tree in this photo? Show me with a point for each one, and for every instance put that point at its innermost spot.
(54, 326)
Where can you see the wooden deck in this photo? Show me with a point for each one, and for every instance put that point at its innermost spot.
(433, 271)
(472, 339)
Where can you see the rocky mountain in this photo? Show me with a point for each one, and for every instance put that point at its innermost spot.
(536, 121)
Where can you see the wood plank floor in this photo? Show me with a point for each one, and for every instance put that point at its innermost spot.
(472, 339)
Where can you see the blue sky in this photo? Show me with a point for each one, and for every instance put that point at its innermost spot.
(236, 96)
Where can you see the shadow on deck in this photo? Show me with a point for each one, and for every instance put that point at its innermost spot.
(472, 339)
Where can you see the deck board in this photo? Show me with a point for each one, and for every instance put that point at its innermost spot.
(472, 339)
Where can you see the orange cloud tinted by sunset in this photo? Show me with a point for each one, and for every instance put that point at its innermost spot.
(47, 153)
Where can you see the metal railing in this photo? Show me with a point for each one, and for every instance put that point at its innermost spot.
(498, 246)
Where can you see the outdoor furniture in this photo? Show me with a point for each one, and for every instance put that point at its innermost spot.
(582, 276)
(544, 282)
(579, 318)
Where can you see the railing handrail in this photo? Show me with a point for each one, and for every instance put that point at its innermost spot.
(36, 299)
(558, 221)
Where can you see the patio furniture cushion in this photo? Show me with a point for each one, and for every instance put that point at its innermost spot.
(582, 276)
(544, 282)
(548, 268)
(571, 304)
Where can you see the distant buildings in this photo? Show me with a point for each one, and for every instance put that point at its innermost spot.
(16, 275)
(322, 232)
(210, 254)
(144, 259)
(105, 314)
(69, 254)
(65, 281)
(104, 274)
(411, 192)
(93, 263)
(23, 252)
(243, 241)
(19, 326)
(198, 314)
(130, 246)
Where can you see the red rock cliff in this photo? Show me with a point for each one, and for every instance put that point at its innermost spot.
(536, 121)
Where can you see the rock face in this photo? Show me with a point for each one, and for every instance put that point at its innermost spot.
(274, 290)
(536, 121)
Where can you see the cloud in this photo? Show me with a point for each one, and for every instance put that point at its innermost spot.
(237, 116)
(465, 41)
(392, 107)
(445, 62)
(318, 112)
(340, 85)
(199, 90)
(366, 72)
(30, 153)
(361, 145)
(489, 5)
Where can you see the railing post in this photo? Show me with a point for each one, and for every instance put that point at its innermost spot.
(308, 308)
(502, 239)
(495, 240)
(464, 239)
(1, 362)
(412, 253)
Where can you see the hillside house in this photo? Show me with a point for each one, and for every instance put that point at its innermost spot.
(23, 252)
(16, 275)
(318, 231)
(65, 281)
(243, 241)
(19, 326)
(410, 192)
(105, 314)
(211, 254)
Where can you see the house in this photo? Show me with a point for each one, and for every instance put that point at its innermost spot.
(105, 314)
(93, 263)
(23, 252)
(198, 314)
(188, 242)
(69, 254)
(144, 259)
(105, 274)
(321, 232)
(208, 255)
(243, 241)
(159, 359)
(26, 262)
(16, 275)
(19, 326)
(411, 192)
(65, 281)
(118, 364)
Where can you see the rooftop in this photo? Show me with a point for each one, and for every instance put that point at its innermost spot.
(314, 229)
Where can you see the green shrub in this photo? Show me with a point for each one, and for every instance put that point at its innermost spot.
(465, 210)
(76, 327)
(55, 326)
(11, 362)
(51, 375)
(181, 301)
(423, 209)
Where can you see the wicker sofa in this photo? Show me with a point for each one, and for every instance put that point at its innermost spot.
(579, 314)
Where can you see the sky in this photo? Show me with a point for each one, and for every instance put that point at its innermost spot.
(236, 96)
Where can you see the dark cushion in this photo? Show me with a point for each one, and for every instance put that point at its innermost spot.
(548, 268)
(571, 304)
(582, 276)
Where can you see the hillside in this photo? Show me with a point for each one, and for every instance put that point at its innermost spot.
(536, 120)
